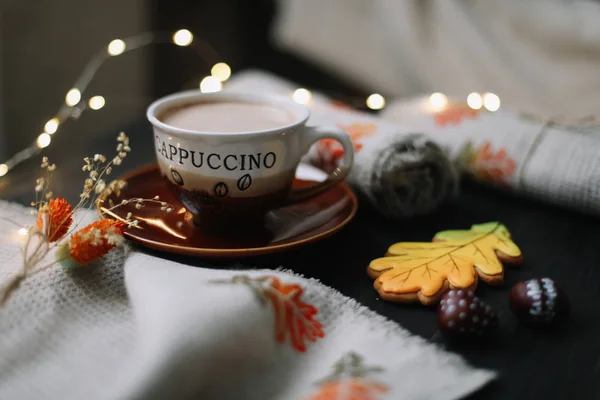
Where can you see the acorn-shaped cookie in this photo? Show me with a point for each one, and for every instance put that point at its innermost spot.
(539, 301)
(460, 313)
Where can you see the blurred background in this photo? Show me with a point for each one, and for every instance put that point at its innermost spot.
(542, 57)
(45, 45)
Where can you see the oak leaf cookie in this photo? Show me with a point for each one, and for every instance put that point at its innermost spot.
(455, 259)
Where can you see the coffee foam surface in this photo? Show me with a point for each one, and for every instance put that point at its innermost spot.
(228, 117)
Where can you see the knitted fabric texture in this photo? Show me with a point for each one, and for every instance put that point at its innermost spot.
(133, 326)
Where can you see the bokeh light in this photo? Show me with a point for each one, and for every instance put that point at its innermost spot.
(116, 47)
(474, 101)
(210, 84)
(96, 102)
(375, 101)
(43, 140)
(183, 37)
(438, 101)
(221, 71)
(73, 97)
(51, 126)
(491, 101)
(302, 96)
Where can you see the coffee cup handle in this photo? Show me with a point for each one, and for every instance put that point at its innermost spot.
(312, 135)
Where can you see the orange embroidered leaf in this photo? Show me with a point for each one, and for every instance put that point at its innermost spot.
(358, 130)
(496, 167)
(54, 219)
(350, 380)
(454, 115)
(350, 389)
(338, 105)
(293, 317)
(95, 240)
(330, 151)
(421, 270)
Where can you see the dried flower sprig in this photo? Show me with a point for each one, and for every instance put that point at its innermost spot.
(91, 242)
(56, 227)
(139, 202)
(94, 185)
(54, 219)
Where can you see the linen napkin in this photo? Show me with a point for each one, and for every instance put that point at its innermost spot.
(401, 173)
(134, 326)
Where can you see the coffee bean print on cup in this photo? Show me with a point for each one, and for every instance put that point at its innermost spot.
(177, 177)
(461, 313)
(221, 189)
(244, 182)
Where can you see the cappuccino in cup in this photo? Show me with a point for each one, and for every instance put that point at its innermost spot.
(232, 157)
(228, 117)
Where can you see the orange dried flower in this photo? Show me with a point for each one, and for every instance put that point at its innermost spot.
(95, 240)
(55, 218)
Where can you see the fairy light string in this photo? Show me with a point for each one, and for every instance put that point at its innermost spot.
(75, 103)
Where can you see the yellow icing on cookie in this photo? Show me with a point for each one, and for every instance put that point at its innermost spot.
(456, 256)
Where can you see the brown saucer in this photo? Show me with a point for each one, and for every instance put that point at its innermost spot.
(174, 232)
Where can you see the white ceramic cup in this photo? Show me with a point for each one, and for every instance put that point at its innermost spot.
(239, 174)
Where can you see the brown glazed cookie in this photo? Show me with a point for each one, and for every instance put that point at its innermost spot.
(455, 259)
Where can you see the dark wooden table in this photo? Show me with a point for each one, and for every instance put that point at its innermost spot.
(561, 244)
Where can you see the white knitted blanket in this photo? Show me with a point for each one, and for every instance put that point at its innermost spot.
(140, 327)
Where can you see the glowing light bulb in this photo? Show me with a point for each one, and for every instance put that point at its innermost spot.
(183, 37)
(51, 126)
(22, 232)
(73, 96)
(491, 101)
(221, 71)
(96, 102)
(302, 96)
(116, 47)
(3, 169)
(438, 101)
(375, 101)
(210, 84)
(43, 140)
(474, 101)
